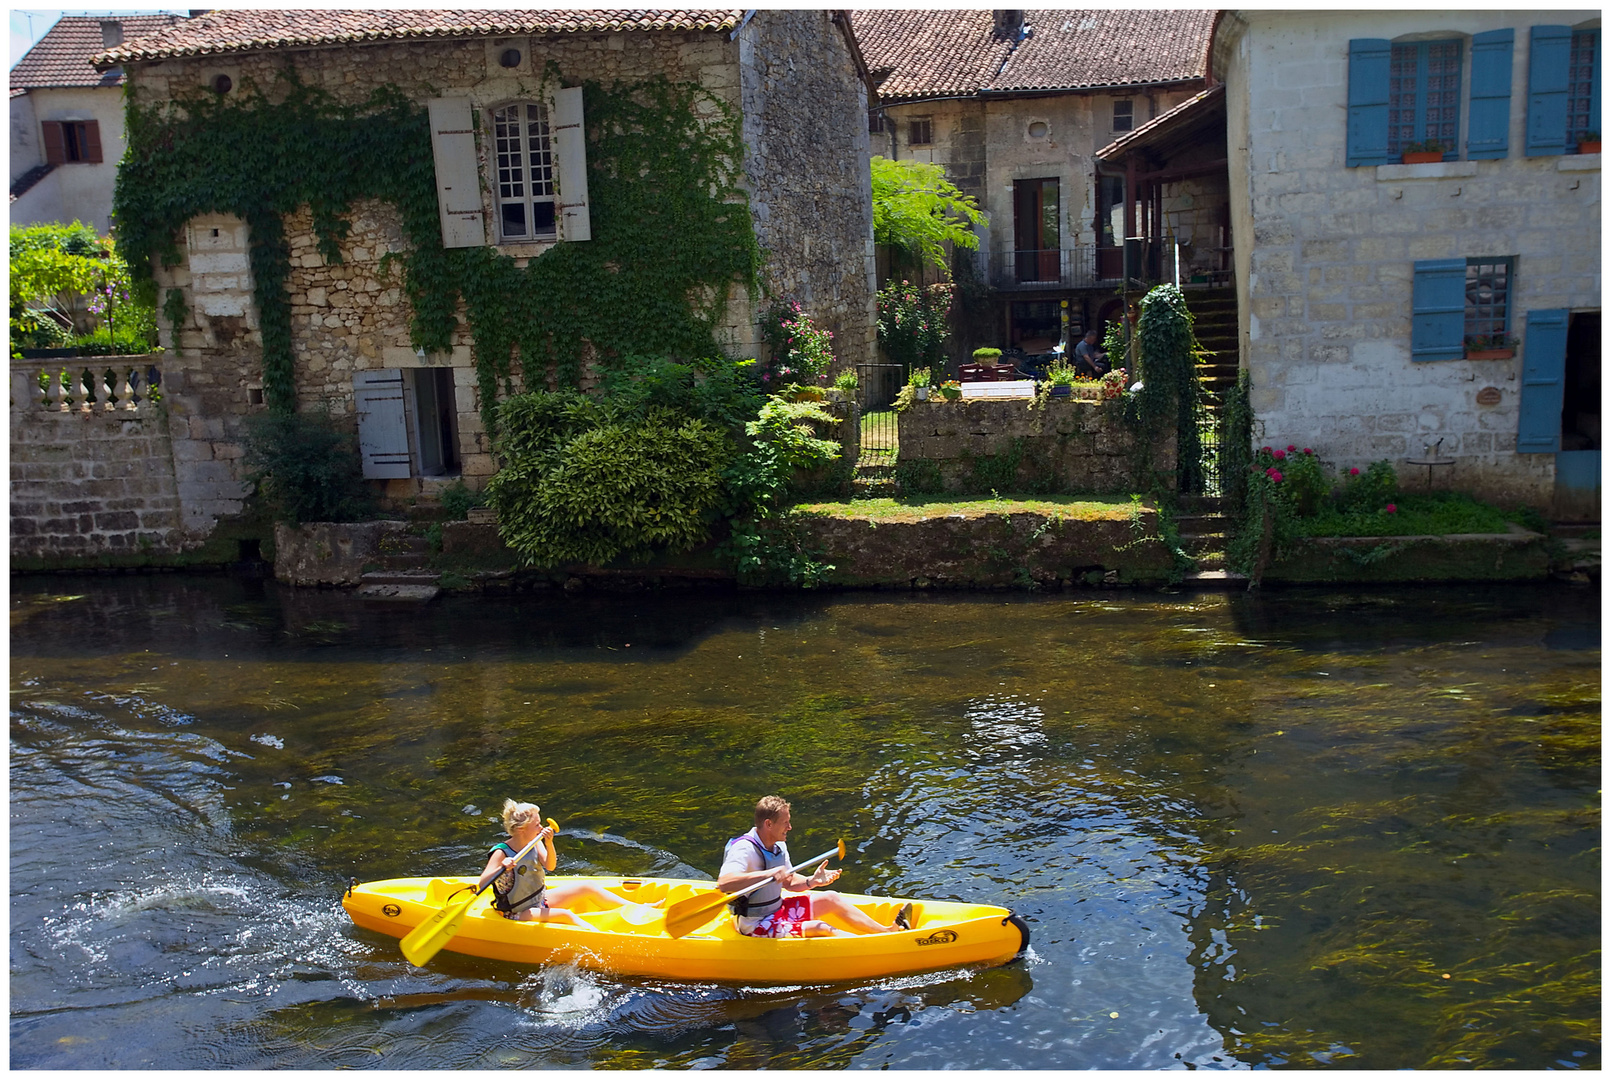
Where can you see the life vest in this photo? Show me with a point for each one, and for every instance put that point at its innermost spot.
(769, 897)
(519, 887)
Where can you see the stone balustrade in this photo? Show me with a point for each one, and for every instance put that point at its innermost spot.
(122, 386)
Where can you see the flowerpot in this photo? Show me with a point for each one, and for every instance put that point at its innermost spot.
(1490, 354)
(810, 393)
(951, 393)
(835, 396)
(1062, 391)
(1422, 157)
(921, 393)
(1587, 147)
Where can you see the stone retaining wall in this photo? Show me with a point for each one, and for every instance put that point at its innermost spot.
(1009, 445)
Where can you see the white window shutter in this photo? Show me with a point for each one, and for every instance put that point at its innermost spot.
(382, 426)
(570, 148)
(458, 191)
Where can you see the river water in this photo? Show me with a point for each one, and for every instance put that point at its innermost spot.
(1300, 828)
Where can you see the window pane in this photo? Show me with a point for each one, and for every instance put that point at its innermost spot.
(514, 219)
(1580, 86)
(1487, 297)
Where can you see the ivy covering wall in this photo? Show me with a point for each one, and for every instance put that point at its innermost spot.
(671, 226)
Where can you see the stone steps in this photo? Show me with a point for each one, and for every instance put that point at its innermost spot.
(409, 586)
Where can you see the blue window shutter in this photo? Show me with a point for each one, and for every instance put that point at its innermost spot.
(1369, 64)
(1543, 382)
(1549, 57)
(1594, 97)
(1489, 133)
(1438, 310)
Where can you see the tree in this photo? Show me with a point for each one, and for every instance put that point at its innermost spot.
(916, 210)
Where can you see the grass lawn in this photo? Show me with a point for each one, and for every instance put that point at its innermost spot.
(920, 508)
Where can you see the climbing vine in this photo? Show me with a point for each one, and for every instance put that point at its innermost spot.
(1169, 384)
(671, 226)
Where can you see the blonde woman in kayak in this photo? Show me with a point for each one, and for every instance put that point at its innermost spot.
(520, 888)
(760, 854)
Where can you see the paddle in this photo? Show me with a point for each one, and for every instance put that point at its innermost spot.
(427, 939)
(686, 916)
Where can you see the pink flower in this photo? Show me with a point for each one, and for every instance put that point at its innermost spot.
(1275, 474)
(1392, 508)
(1264, 450)
(1306, 450)
(1291, 449)
(1278, 455)
(1353, 472)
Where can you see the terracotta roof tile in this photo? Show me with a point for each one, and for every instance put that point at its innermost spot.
(920, 54)
(62, 56)
(261, 31)
(1082, 49)
(930, 53)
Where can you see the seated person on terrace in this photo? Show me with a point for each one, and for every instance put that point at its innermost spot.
(1089, 359)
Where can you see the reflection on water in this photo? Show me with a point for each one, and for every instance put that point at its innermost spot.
(1305, 828)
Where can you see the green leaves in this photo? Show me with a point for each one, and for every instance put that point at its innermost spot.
(917, 210)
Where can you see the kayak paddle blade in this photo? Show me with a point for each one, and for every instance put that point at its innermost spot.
(427, 939)
(686, 916)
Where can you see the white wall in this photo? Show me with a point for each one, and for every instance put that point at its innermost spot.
(1326, 252)
(73, 190)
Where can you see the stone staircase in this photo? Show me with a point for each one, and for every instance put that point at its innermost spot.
(873, 480)
(1204, 532)
(404, 573)
(1214, 310)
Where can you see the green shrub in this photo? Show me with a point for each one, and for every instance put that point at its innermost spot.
(982, 355)
(306, 467)
(847, 381)
(1370, 490)
(456, 500)
(913, 323)
(802, 351)
(576, 490)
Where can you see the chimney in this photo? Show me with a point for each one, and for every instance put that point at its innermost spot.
(111, 33)
(1009, 24)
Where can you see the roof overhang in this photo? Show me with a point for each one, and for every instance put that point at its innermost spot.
(1173, 131)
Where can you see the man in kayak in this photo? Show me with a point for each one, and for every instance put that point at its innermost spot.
(760, 854)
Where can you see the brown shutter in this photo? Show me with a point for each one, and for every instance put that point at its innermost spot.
(55, 145)
(92, 141)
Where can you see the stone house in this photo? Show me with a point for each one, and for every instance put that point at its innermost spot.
(1017, 105)
(1442, 311)
(67, 120)
(506, 105)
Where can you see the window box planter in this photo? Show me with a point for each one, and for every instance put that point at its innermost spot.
(1062, 391)
(1422, 157)
(1588, 146)
(1490, 354)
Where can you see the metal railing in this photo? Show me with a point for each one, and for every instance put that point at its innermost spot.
(1085, 266)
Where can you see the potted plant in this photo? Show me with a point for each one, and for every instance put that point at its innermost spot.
(1490, 346)
(987, 356)
(951, 390)
(844, 386)
(1423, 153)
(1061, 376)
(919, 382)
(1589, 143)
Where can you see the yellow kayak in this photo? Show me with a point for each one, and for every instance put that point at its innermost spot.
(943, 934)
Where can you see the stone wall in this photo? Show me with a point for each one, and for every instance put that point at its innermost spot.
(805, 136)
(1326, 253)
(1063, 446)
(89, 480)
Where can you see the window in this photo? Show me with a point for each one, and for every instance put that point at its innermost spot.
(1124, 114)
(536, 160)
(68, 141)
(875, 123)
(1423, 103)
(525, 171)
(1488, 296)
(1582, 87)
(921, 131)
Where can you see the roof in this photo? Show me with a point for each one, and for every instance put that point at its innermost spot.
(923, 54)
(21, 185)
(1170, 130)
(262, 31)
(62, 56)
